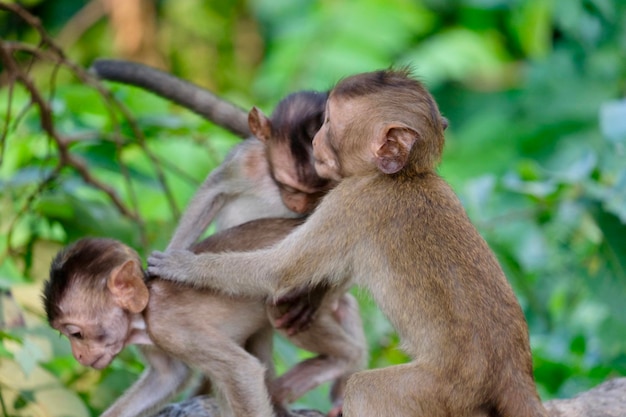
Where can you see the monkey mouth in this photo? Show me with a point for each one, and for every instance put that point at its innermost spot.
(319, 164)
(101, 362)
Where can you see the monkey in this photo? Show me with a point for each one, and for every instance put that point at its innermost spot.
(246, 185)
(99, 298)
(271, 174)
(393, 226)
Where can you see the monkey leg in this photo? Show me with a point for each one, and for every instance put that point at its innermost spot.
(337, 336)
(261, 346)
(163, 377)
(238, 377)
(420, 390)
(407, 390)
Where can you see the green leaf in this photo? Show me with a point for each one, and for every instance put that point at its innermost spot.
(613, 120)
(614, 233)
(532, 21)
(457, 54)
(28, 356)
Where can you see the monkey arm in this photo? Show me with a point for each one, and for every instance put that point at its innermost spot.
(313, 255)
(296, 311)
(163, 377)
(188, 95)
(202, 209)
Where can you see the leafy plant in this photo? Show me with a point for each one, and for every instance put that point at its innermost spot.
(533, 90)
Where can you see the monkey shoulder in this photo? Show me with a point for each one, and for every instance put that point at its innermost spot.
(395, 192)
(251, 193)
(254, 164)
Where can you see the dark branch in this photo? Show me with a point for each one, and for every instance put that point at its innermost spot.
(184, 93)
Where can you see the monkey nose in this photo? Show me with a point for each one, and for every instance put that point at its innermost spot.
(299, 204)
(299, 207)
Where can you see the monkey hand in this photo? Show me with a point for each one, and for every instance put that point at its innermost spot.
(171, 265)
(295, 311)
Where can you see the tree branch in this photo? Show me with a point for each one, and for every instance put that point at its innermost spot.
(188, 95)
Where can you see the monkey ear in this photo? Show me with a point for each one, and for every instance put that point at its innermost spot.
(392, 149)
(260, 125)
(128, 288)
(444, 122)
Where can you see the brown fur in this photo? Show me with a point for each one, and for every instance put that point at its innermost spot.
(274, 176)
(393, 226)
(229, 339)
(270, 175)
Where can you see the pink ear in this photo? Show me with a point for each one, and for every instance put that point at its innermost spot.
(260, 125)
(394, 148)
(128, 288)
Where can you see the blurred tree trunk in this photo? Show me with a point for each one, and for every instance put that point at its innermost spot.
(134, 27)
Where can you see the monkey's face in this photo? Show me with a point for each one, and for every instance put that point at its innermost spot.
(96, 328)
(324, 151)
(338, 147)
(300, 186)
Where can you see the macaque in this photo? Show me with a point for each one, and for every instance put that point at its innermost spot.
(256, 176)
(271, 174)
(393, 226)
(98, 297)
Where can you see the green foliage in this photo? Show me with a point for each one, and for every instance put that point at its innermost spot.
(536, 148)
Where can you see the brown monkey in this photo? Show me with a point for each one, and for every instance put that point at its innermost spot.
(275, 176)
(270, 177)
(284, 156)
(97, 297)
(393, 226)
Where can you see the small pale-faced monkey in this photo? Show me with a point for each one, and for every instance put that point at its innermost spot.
(253, 179)
(98, 297)
(393, 226)
(273, 176)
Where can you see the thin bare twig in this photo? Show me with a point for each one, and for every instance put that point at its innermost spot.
(48, 51)
(57, 56)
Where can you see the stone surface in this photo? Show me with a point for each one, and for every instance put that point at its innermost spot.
(605, 400)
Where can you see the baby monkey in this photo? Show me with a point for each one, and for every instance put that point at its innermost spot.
(98, 297)
(269, 175)
(272, 174)
(394, 227)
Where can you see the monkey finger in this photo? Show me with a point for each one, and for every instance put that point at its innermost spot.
(296, 319)
(156, 264)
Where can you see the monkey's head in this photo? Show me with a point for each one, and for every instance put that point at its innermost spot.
(288, 137)
(383, 121)
(95, 287)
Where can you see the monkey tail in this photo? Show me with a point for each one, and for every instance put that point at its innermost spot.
(520, 400)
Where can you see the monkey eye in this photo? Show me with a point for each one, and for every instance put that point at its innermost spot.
(288, 189)
(76, 335)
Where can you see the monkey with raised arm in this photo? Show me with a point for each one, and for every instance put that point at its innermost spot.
(273, 176)
(98, 297)
(246, 185)
(393, 226)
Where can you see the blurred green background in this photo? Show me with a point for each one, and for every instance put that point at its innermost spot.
(533, 90)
